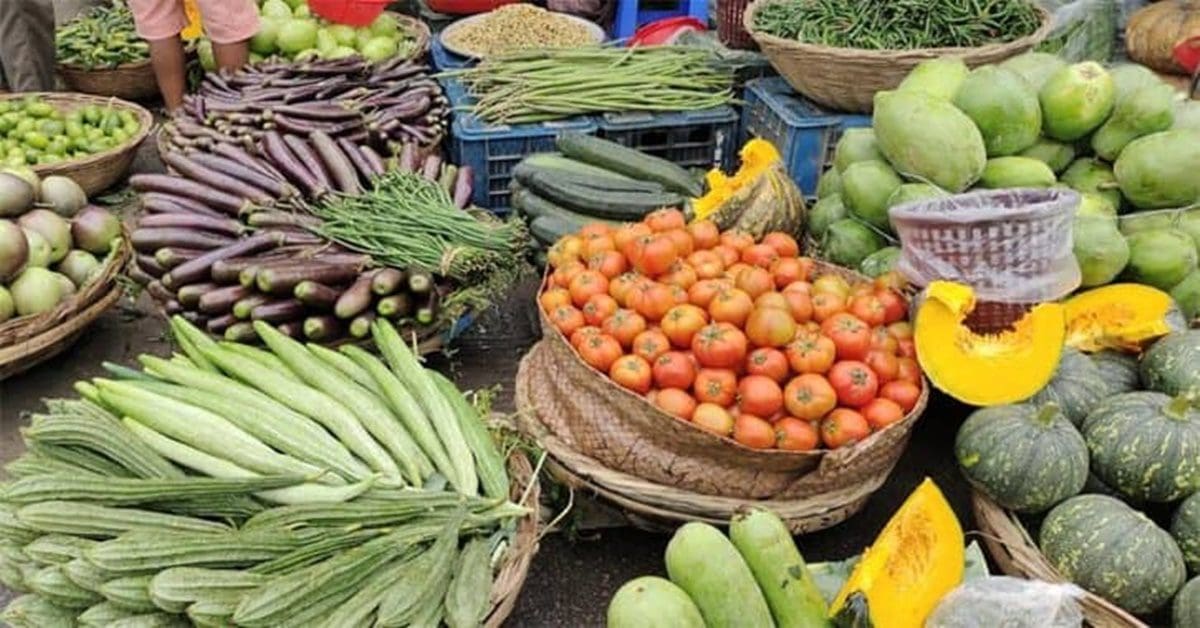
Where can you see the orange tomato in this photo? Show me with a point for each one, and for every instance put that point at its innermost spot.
(554, 297)
(799, 286)
(704, 291)
(583, 333)
(650, 344)
(594, 230)
(809, 397)
(843, 427)
(705, 234)
(682, 240)
(881, 340)
(854, 382)
(713, 418)
(717, 386)
(567, 249)
(585, 284)
(598, 308)
(737, 240)
(909, 371)
(632, 372)
(895, 307)
(768, 362)
(891, 280)
(608, 263)
(731, 306)
(786, 271)
(759, 395)
(858, 290)
(676, 403)
(598, 244)
(825, 305)
(799, 305)
(831, 283)
(600, 351)
(811, 353)
(885, 365)
(850, 335)
(881, 413)
(869, 309)
(729, 255)
(624, 325)
(620, 286)
(783, 243)
(653, 255)
(754, 281)
(665, 219)
(733, 270)
(906, 348)
(771, 299)
(651, 300)
(720, 345)
(708, 264)
(564, 274)
(901, 330)
(761, 255)
(681, 274)
(628, 234)
(792, 434)
(754, 432)
(674, 369)
(770, 327)
(567, 319)
(681, 323)
(904, 393)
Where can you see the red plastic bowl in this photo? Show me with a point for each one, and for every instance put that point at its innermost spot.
(352, 12)
(663, 32)
(465, 7)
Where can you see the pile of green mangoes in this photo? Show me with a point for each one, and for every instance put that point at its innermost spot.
(1124, 139)
(33, 131)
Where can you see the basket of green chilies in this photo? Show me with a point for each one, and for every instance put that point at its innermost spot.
(100, 53)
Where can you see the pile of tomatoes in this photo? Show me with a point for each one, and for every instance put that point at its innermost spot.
(741, 338)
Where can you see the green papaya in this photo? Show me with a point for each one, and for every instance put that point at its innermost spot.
(1148, 110)
(1130, 224)
(855, 145)
(652, 602)
(848, 242)
(1016, 172)
(1187, 115)
(940, 77)
(825, 212)
(829, 183)
(1095, 205)
(880, 261)
(1004, 107)
(1095, 177)
(1160, 257)
(1076, 100)
(706, 565)
(1099, 248)
(1057, 155)
(1034, 67)
(1160, 170)
(866, 187)
(910, 192)
(766, 544)
(1128, 78)
(1188, 221)
(928, 139)
(1187, 294)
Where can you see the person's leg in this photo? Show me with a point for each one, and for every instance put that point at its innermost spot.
(159, 23)
(27, 44)
(232, 56)
(230, 24)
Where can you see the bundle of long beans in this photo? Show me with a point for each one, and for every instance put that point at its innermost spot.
(898, 24)
(539, 85)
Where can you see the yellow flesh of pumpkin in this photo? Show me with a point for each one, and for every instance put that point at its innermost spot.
(1118, 316)
(757, 155)
(915, 560)
(985, 369)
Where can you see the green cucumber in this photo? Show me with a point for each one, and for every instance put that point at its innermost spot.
(524, 171)
(627, 161)
(550, 229)
(702, 562)
(767, 546)
(629, 206)
(532, 206)
(556, 161)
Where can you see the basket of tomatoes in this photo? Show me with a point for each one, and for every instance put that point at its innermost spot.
(684, 372)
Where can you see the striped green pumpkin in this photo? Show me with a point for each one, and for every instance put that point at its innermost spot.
(1077, 386)
(1118, 370)
(1172, 364)
(1114, 551)
(1185, 527)
(1145, 445)
(1185, 611)
(1027, 458)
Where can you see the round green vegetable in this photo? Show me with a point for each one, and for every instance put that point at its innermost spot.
(652, 602)
(1185, 610)
(880, 262)
(1004, 107)
(1172, 364)
(1145, 445)
(1160, 257)
(825, 212)
(1185, 527)
(866, 187)
(1077, 386)
(1119, 370)
(848, 242)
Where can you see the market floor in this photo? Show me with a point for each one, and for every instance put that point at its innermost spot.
(580, 565)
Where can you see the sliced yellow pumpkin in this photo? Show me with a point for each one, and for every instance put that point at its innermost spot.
(985, 369)
(1120, 316)
(757, 156)
(915, 560)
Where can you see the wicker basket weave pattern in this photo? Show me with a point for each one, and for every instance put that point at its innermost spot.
(131, 81)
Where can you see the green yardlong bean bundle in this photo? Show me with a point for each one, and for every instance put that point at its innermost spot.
(898, 24)
(104, 37)
(539, 85)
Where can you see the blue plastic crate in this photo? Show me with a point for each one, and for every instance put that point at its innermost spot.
(692, 139)
(444, 59)
(804, 133)
(493, 150)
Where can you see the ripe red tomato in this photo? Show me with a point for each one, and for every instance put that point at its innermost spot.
(678, 295)
(632, 372)
(627, 234)
(567, 249)
(599, 307)
(885, 365)
(583, 333)
(737, 240)
(759, 395)
(787, 270)
(783, 243)
(843, 427)
(907, 348)
(720, 345)
(608, 263)
(682, 322)
(769, 362)
(792, 434)
(651, 300)
(713, 418)
(799, 286)
(594, 229)
(809, 397)
(901, 330)
(708, 264)
(566, 319)
(832, 284)
(621, 285)
(854, 382)
(624, 325)
(674, 369)
(653, 254)
(650, 344)
(681, 274)
(600, 351)
(665, 219)
(586, 283)
(595, 244)
(799, 305)
(729, 255)
(563, 275)
(731, 306)
(705, 234)
(895, 307)
(754, 281)
(676, 403)
(704, 291)
(760, 255)
(771, 299)
(869, 309)
(770, 327)
(881, 340)
(811, 353)
(682, 240)
(850, 335)
(909, 371)
(554, 297)
(717, 386)
(881, 413)
(753, 432)
(826, 305)
(904, 393)
(891, 280)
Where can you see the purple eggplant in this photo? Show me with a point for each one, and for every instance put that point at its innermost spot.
(158, 203)
(193, 170)
(356, 299)
(271, 219)
(171, 256)
(242, 309)
(409, 162)
(463, 186)
(316, 295)
(149, 265)
(242, 331)
(199, 268)
(150, 239)
(221, 225)
(219, 324)
(278, 311)
(173, 307)
(276, 187)
(431, 168)
(307, 156)
(281, 155)
(179, 186)
(190, 294)
(158, 291)
(283, 279)
(386, 281)
(292, 329)
(374, 159)
(395, 306)
(322, 328)
(361, 164)
(339, 167)
(221, 300)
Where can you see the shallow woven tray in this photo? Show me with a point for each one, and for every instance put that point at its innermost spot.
(847, 79)
(93, 173)
(506, 586)
(131, 81)
(1016, 554)
(29, 340)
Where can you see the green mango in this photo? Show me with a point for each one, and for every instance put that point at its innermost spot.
(1094, 176)
(1004, 107)
(1160, 170)
(1130, 224)
(1095, 205)
(825, 212)
(1187, 294)
(1076, 100)
(880, 262)
(829, 183)
(1148, 110)
(857, 144)
(866, 186)
(1034, 67)
(326, 42)
(1160, 257)
(263, 42)
(940, 78)
(1100, 249)
(276, 9)
(1057, 155)
(928, 139)
(910, 192)
(848, 242)
(1016, 172)
(1128, 78)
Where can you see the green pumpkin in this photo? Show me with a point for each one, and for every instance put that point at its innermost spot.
(1172, 364)
(1119, 370)
(1077, 386)
(1145, 445)
(1114, 551)
(1185, 610)
(1185, 527)
(1027, 458)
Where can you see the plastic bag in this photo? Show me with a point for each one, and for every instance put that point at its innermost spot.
(1083, 30)
(1003, 602)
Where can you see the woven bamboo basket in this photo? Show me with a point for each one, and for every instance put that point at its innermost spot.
(29, 340)
(420, 31)
(506, 586)
(93, 173)
(846, 79)
(1016, 554)
(130, 81)
(658, 468)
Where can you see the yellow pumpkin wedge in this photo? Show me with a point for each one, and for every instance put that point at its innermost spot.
(1120, 316)
(985, 369)
(759, 198)
(915, 560)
